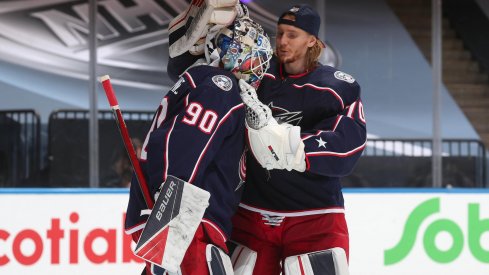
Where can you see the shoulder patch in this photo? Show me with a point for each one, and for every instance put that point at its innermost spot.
(222, 82)
(344, 77)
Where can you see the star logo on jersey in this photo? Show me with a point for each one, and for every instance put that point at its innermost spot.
(284, 116)
(321, 143)
(222, 82)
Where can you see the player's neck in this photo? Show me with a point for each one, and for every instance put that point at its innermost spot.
(296, 67)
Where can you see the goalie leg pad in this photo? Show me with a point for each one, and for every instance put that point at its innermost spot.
(157, 270)
(218, 262)
(327, 262)
(244, 260)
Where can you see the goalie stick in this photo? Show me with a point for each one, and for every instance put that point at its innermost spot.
(126, 138)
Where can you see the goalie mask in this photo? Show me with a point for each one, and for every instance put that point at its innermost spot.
(244, 49)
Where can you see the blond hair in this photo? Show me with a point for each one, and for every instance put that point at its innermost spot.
(312, 55)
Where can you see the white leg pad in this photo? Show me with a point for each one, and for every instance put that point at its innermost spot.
(244, 260)
(218, 262)
(327, 262)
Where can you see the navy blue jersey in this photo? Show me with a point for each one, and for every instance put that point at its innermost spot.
(326, 104)
(197, 135)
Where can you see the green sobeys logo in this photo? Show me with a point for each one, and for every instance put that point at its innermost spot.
(476, 227)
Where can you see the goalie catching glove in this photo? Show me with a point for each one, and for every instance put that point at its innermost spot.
(275, 146)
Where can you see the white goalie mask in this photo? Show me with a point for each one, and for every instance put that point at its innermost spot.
(244, 49)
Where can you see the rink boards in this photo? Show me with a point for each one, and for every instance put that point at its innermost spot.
(392, 231)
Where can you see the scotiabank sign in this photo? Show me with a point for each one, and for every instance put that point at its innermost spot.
(65, 234)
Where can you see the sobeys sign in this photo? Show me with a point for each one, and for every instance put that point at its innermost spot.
(418, 231)
(477, 226)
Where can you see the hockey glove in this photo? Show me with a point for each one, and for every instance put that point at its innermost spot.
(278, 146)
(197, 19)
(258, 114)
(275, 146)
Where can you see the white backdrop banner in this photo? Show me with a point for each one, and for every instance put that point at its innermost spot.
(392, 231)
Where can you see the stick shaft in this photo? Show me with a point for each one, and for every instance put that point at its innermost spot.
(126, 138)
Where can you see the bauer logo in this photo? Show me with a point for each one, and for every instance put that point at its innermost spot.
(468, 237)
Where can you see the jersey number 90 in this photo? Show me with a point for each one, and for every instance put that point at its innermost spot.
(196, 116)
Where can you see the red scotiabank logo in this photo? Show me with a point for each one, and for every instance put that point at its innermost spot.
(79, 246)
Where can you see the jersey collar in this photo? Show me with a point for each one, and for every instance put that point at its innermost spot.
(284, 74)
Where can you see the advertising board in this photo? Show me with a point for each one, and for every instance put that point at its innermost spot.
(392, 231)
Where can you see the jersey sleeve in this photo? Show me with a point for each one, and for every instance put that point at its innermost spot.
(340, 92)
(337, 142)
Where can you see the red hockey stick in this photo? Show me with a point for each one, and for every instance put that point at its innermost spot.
(114, 105)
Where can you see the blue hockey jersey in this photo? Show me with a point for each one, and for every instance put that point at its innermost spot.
(326, 104)
(197, 135)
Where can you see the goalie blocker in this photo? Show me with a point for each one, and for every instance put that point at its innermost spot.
(177, 213)
(188, 30)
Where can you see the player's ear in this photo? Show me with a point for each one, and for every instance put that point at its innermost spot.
(311, 41)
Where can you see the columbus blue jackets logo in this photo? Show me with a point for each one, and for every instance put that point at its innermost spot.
(284, 116)
(222, 82)
(344, 77)
(294, 9)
